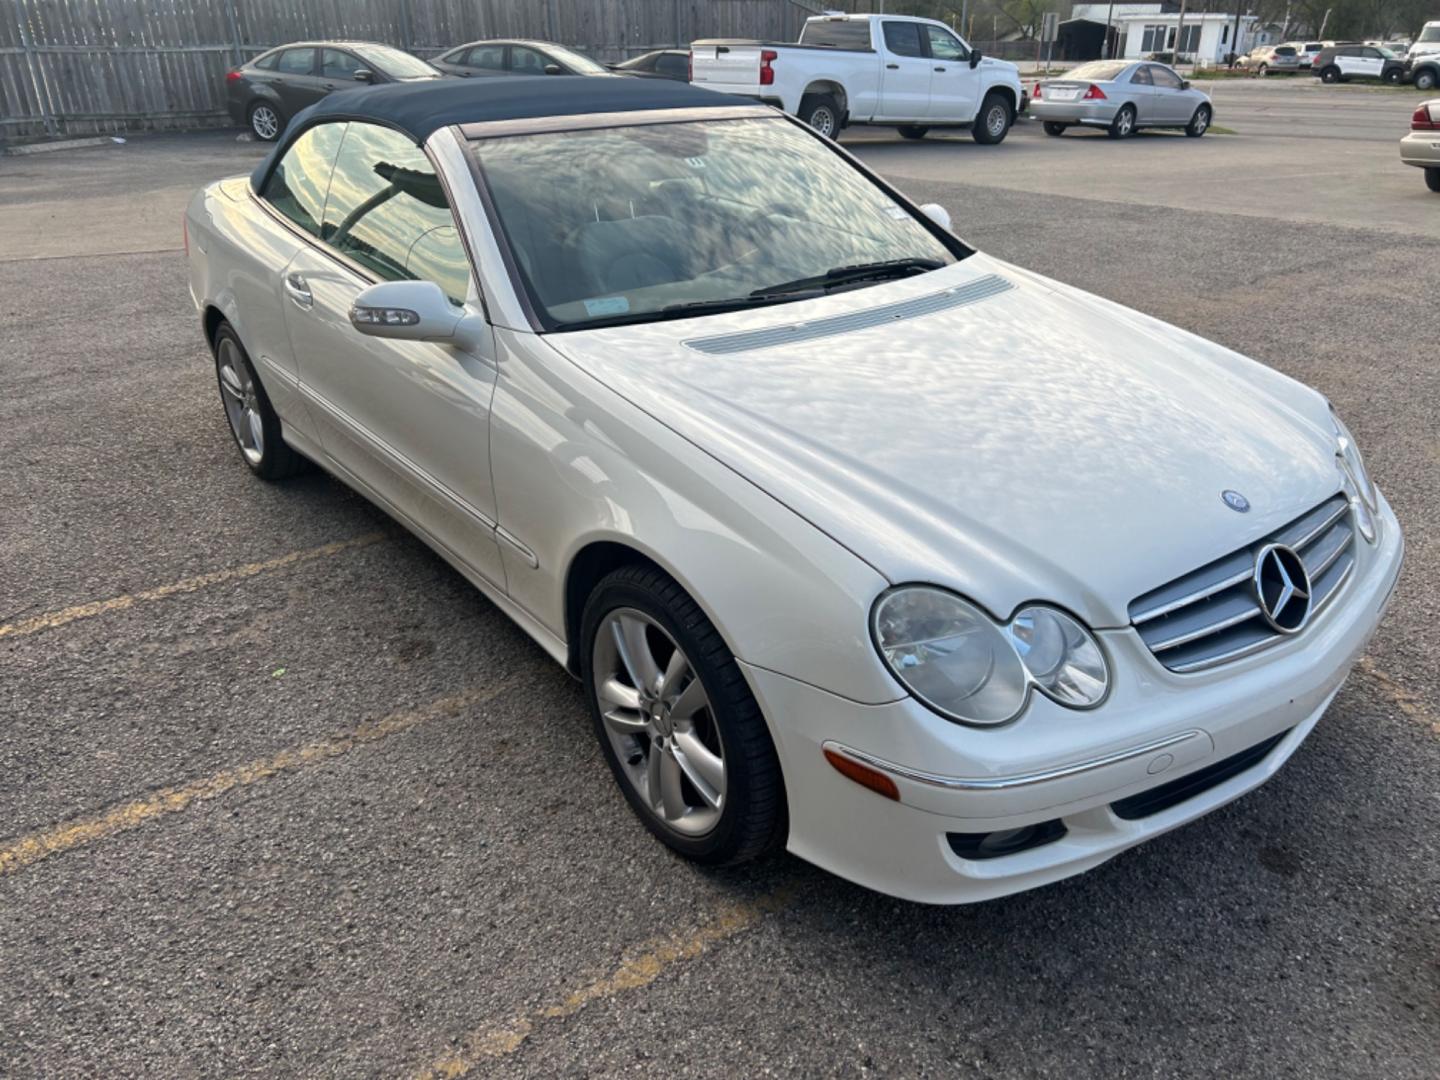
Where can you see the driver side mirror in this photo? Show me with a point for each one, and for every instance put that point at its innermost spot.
(1184, 84)
(415, 311)
(938, 214)
(552, 69)
(364, 75)
(975, 57)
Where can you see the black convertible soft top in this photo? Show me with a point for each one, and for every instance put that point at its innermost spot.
(421, 108)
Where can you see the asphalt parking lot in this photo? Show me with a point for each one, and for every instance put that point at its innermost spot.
(282, 795)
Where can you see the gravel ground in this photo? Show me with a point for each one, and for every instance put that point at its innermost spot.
(335, 816)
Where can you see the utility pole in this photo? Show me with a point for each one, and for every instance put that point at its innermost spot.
(1235, 37)
(1179, 36)
(1107, 52)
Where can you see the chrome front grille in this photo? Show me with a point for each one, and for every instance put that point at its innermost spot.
(1211, 616)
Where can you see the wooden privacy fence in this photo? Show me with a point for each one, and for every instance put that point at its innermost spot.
(84, 67)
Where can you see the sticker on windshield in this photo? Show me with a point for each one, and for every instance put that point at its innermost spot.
(607, 305)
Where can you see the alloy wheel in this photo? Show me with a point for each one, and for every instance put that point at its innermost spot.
(659, 721)
(995, 120)
(242, 404)
(265, 122)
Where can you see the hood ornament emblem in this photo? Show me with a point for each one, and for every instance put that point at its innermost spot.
(1235, 501)
(1282, 588)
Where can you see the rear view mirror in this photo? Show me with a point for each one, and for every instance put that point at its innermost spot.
(938, 214)
(414, 311)
(364, 75)
(975, 57)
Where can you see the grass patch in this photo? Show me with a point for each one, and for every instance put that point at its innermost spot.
(1217, 129)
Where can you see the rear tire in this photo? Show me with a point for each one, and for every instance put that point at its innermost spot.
(912, 131)
(1432, 179)
(266, 120)
(1392, 77)
(1199, 123)
(821, 112)
(992, 122)
(1123, 126)
(253, 422)
(671, 733)
(1330, 74)
(1263, 70)
(1053, 127)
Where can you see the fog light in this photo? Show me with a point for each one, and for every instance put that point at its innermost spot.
(994, 845)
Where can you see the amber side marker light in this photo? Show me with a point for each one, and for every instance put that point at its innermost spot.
(863, 775)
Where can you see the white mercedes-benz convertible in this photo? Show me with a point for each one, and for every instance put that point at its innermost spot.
(950, 578)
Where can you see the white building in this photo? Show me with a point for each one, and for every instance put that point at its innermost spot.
(1206, 38)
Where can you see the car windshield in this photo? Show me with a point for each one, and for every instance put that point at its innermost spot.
(581, 63)
(393, 62)
(1098, 71)
(1387, 53)
(631, 224)
(1430, 33)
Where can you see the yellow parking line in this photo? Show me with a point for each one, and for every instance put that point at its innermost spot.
(188, 585)
(501, 1039)
(1399, 696)
(29, 850)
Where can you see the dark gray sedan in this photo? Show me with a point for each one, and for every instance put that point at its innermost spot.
(516, 57)
(265, 93)
(1121, 96)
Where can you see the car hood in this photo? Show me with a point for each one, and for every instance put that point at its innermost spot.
(1037, 443)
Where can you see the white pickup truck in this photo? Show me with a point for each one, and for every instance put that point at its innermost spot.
(912, 74)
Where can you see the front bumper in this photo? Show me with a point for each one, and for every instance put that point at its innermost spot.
(1099, 113)
(1056, 765)
(1421, 149)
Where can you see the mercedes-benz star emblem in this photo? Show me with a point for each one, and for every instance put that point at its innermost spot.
(1235, 501)
(1282, 587)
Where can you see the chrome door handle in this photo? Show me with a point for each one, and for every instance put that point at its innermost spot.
(299, 290)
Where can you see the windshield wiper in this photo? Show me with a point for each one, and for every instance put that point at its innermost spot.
(758, 298)
(839, 275)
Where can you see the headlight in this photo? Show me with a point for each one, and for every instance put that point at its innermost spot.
(965, 666)
(1352, 465)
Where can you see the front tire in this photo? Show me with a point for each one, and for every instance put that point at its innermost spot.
(1263, 70)
(1123, 126)
(266, 121)
(676, 720)
(1432, 179)
(1425, 80)
(1330, 75)
(1053, 127)
(821, 112)
(1199, 123)
(253, 422)
(1392, 77)
(993, 121)
(912, 131)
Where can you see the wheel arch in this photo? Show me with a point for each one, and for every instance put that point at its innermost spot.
(587, 568)
(1010, 96)
(831, 87)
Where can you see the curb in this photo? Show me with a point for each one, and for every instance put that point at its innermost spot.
(64, 144)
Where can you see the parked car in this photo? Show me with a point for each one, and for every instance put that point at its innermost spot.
(1270, 58)
(1121, 96)
(907, 73)
(1421, 147)
(1426, 43)
(1341, 63)
(266, 92)
(516, 58)
(1423, 70)
(1307, 50)
(657, 64)
(775, 464)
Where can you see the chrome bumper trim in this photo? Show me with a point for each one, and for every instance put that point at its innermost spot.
(1003, 783)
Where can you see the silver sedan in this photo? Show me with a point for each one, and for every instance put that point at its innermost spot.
(1121, 96)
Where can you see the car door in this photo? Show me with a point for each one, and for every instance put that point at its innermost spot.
(954, 84)
(338, 68)
(1140, 92)
(527, 61)
(1371, 62)
(1172, 104)
(408, 419)
(296, 79)
(487, 59)
(905, 73)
